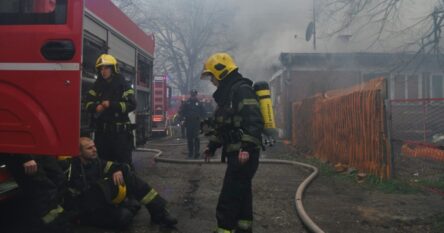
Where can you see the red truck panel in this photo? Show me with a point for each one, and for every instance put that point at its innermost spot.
(40, 99)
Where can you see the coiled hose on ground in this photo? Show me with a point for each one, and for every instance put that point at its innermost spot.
(306, 220)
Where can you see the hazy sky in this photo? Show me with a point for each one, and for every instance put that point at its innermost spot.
(262, 29)
(265, 28)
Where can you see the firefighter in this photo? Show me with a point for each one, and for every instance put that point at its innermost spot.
(238, 128)
(99, 191)
(192, 112)
(43, 185)
(110, 100)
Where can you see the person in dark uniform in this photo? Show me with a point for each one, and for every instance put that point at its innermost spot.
(99, 190)
(192, 111)
(43, 184)
(237, 127)
(110, 100)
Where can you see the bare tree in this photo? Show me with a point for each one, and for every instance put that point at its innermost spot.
(385, 19)
(186, 31)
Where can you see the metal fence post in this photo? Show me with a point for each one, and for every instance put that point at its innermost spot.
(388, 128)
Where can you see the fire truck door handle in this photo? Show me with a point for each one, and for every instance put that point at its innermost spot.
(58, 50)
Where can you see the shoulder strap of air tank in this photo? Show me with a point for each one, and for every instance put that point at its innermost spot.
(234, 89)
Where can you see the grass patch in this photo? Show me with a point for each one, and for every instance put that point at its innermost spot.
(433, 183)
(371, 182)
(392, 185)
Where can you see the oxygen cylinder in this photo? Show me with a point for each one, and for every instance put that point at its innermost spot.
(263, 92)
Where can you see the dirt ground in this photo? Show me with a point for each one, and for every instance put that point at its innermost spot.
(337, 203)
(334, 201)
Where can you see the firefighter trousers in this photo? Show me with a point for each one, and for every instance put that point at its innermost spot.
(193, 127)
(43, 191)
(235, 206)
(115, 146)
(193, 146)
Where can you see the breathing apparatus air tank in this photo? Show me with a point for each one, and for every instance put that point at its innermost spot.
(263, 93)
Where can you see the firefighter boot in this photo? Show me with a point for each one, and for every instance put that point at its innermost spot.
(244, 226)
(60, 223)
(164, 218)
(159, 214)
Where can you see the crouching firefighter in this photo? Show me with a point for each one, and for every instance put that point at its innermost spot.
(99, 191)
(237, 128)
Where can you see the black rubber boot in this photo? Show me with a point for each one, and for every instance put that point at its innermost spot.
(164, 219)
(159, 214)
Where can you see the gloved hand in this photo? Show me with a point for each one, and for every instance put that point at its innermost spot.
(243, 156)
(206, 126)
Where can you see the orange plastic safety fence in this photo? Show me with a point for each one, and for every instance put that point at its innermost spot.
(346, 126)
(421, 151)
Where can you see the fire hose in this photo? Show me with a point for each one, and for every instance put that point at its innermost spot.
(306, 220)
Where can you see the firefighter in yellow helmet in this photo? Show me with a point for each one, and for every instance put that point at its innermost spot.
(100, 189)
(237, 128)
(110, 100)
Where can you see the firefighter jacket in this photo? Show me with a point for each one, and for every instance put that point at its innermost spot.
(121, 97)
(85, 181)
(82, 177)
(237, 122)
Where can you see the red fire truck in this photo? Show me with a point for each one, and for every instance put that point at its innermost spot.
(47, 62)
(160, 98)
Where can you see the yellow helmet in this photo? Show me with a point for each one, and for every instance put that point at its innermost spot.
(121, 195)
(107, 60)
(220, 65)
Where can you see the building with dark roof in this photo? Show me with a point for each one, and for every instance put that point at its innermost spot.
(409, 76)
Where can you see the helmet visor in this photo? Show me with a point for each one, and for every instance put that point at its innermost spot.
(104, 67)
(206, 76)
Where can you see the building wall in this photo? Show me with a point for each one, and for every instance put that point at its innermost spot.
(304, 84)
(416, 86)
(296, 85)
